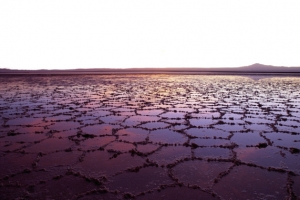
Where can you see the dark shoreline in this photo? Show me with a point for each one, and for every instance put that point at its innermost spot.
(254, 69)
(295, 74)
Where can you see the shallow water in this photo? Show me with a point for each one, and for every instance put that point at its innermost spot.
(149, 137)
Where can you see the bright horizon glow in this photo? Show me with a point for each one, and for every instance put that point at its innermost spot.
(70, 34)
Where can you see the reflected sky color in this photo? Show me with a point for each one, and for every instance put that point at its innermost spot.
(86, 130)
(55, 34)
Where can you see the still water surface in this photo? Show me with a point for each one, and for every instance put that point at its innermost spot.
(149, 137)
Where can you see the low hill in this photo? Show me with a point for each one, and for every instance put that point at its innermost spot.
(254, 68)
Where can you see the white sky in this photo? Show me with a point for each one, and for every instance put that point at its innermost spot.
(64, 34)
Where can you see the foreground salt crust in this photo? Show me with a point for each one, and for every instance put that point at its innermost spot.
(149, 137)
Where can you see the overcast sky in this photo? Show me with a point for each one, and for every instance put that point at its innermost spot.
(64, 34)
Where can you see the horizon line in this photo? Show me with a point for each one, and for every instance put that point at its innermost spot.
(170, 67)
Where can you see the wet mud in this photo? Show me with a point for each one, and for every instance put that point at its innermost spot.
(149, 137)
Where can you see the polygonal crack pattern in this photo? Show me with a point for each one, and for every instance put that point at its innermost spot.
(149, 137)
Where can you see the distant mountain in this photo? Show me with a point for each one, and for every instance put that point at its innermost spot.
(254, 68)
(267, 68)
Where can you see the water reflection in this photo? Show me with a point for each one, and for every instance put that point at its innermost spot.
(177, 131)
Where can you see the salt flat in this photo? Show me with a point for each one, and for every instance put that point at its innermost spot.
(149, 136)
